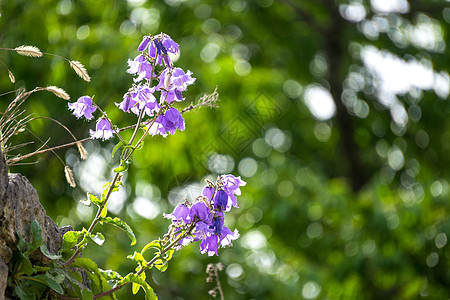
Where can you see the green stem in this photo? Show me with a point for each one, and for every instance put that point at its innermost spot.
(114, 289)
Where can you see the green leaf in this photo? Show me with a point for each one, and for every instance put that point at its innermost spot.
(161, 264)
(45, 251)
(104, 212)
(168, 255)
(98, 281)
(97, 238)
(86, 263)
(24, 266)
(133, 278)
(21, 244)
(22, 294)
(118, 146)
(122, 168)
(95, 200)
(70, 239)
(111, 276)
(139, 258)
(121, 224)
(135, 288)
(86, 295)
(36, 231)
(41, 269)
(50, 282)
(30, 288)
(156, 244)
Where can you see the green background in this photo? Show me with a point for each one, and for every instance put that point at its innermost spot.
(355, 206)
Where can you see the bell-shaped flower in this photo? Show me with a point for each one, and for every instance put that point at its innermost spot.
(220, 200)
(232, 186)
(143, 45)
(170, 121)
(200, 212)
(128, 104)
(180, 213)
(102, 130)
(83, 107)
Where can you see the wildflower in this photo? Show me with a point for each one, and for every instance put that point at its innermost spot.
(231, 187)
(200, 212)
(180, 213)
(128, 104)
(83, 107)
(160, 49)
(220, 200)
(143, 96)
(170, 121)
(141, 67)
(143, 45)
(102, 130)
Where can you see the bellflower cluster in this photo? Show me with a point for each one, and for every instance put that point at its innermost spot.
(154, 51)
(204, 220)
(144, 97)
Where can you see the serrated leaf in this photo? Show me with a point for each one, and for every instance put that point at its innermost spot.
(122, 168)
(22, 294)
(135, 288)
(121, 224)
(50, 282)
(139, 258)
(25, 266)
(97, 238)
(21, 244)
(118, 146)
(104, 212)
(94, 199)
(156, 244)
(36, 232)
(70, 239)
(45, 251)
(133, 278)
(86, 295)
(161, 264)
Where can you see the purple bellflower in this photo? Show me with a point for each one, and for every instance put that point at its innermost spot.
(141, 67)
(102, 130)
(143, 95)
(128, 104)
(199, 211)
(220, 200)
(180, 213)
(144, 44)
(161, 47)
(205, 219)
(83, 107)
(170, 121)
(231, 186)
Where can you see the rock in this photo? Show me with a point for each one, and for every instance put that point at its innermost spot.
(3, 278)
(19, 206)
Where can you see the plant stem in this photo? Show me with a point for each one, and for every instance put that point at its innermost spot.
(219, 286)
(103, 294)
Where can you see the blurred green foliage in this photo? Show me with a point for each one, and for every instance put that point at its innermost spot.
(352, 205)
